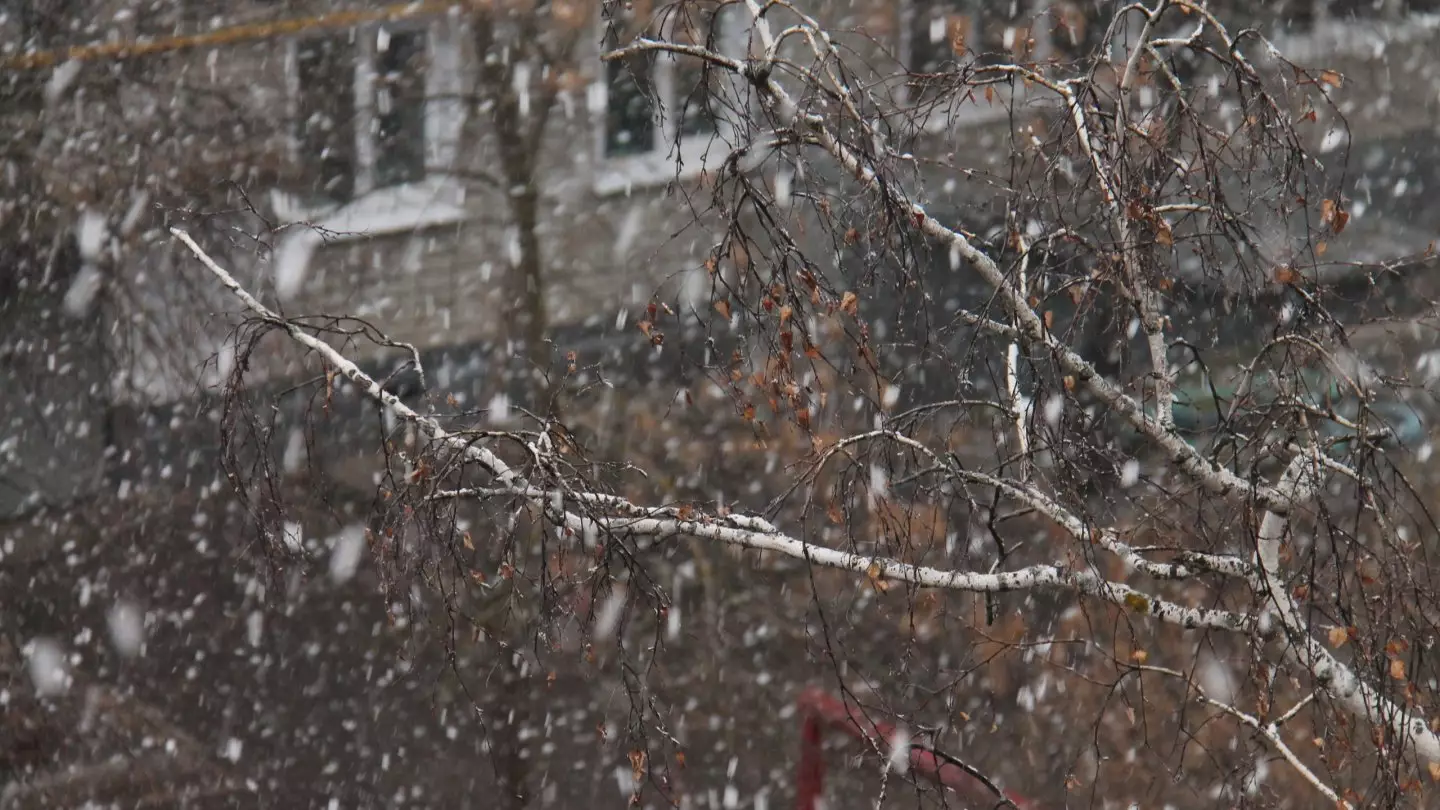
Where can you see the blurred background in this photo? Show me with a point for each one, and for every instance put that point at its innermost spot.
(471, 180)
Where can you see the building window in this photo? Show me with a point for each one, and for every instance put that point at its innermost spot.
(652, 100)
(1348, 9)
(399, 108)
(360, 97)
(1074, 30)
(940, 38)
(27, 28)
(1278, 17)
(629, 115)
(943, 33)
(325, 71)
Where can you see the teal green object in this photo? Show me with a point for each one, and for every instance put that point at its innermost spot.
(1200, 407)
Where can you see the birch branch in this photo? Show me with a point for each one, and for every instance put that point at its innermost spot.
(1301, 482)
(1107, 538)
(1012, 371)
(736, 530)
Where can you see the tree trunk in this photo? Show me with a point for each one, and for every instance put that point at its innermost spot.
(532, 319)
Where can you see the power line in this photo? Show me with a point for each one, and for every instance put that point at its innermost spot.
(231, 35)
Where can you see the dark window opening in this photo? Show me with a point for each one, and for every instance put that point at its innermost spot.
(940, 34)
(629, 112)
(695, 95)
(1077, 30)
(946, 33)
(34, 28)
(1358, 9)
(636, 84)
(325, 69)
(940, 38)
(399, 108)
(1005, 34)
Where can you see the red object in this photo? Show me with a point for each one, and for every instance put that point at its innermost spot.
(820, 711)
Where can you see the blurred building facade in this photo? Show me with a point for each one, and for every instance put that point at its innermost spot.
(455, 173)
(466, 174)
(379, 126)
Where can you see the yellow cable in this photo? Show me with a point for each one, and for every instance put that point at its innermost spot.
(223, 36)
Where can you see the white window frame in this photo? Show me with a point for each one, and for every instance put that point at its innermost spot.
(438, 197)
(695, 154)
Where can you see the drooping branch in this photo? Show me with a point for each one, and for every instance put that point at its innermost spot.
(1301, 482)
(1031, 327)
(1269, 732)
(821, 711)
(1057, 513)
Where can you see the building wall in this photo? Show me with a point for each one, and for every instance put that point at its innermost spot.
(606, 248)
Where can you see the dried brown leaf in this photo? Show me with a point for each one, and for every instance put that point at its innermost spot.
(1338, 637)
(1163, 235)
(637, 765)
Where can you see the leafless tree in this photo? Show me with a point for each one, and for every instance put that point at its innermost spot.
(1197, 540)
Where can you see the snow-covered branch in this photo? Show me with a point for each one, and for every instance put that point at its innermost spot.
(735, 530)
(1052, 510)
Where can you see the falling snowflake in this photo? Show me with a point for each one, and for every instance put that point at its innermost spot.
(126, 622)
